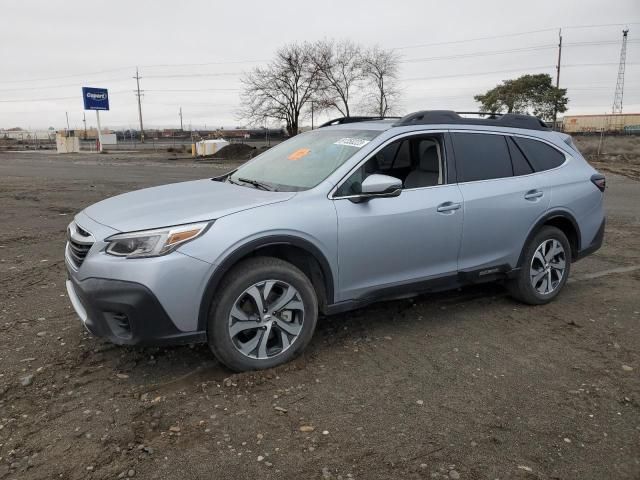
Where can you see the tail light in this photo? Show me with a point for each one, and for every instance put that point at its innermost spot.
(599, 181)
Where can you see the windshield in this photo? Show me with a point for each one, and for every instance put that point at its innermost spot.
(303, 161)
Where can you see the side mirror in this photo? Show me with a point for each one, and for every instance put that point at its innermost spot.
(379, 186)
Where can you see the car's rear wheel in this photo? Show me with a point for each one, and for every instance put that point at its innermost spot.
(265, 315)
(545, 267)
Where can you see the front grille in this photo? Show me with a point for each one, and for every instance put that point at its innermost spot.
(79, 243)
(78, 252)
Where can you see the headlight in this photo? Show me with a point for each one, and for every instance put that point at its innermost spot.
(152, 243)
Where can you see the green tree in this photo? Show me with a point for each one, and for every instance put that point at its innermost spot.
(533, 94)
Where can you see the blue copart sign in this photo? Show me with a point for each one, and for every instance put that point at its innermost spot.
(95, 98)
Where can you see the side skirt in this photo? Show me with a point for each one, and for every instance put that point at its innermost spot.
(441, 284)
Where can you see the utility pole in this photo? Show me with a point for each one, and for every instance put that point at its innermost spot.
(180, 118)
(68, 129)
(138, 94)
(84, 120)
(602, 134)
(555, 108)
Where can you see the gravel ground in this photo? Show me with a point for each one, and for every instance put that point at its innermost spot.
(467, 384)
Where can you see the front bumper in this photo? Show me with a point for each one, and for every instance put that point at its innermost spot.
(125, 313)
(136, 301)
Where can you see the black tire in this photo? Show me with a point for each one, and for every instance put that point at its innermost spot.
(247, 273)
(521, 287)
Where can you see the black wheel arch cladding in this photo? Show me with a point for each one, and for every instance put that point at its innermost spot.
(560, 219)
(254, 247)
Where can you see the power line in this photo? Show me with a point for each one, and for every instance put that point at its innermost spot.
(408, 79)
(196, 104)
(541, 67)
(598, 64)
(585, 86)
(480, 54)
(605, 42)
(509, 35)
(411, 60)
(42, 79)
(44, 99)
(119, 69)
(196, 90)
(170, 65)
(467, 40)
(232, 62)
(602, 25)
(112, 80)
(188, 75)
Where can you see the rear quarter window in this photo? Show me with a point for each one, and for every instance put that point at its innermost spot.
(481, 156)
(521, 165)
(540, 155)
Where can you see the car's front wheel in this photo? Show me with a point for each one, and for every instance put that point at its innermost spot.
(545, 267)
(265, 314)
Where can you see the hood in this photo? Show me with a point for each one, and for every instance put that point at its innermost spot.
(179, 203)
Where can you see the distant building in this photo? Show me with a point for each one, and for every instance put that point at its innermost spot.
(597, 123)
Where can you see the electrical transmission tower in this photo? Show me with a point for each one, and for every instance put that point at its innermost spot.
(617, 99)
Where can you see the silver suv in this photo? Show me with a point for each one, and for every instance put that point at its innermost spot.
(358, 211)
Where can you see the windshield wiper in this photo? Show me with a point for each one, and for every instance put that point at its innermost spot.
(257, 184)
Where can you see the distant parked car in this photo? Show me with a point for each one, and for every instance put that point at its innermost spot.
(329, 221)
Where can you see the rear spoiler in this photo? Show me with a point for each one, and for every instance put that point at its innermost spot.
(568, 140)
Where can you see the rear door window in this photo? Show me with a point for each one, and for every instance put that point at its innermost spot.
(540, 155)
(481, 156)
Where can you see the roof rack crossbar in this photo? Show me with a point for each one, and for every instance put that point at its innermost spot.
(343, 120)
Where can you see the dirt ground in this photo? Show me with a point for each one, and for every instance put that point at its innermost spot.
(467, 384)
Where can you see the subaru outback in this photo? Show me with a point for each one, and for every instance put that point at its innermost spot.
(358, 211)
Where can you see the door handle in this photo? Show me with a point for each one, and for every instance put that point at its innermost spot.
(533, 194)
(447, 207)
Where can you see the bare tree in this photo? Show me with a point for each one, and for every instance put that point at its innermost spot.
(381, 69)
(281, 90)
(340, 65)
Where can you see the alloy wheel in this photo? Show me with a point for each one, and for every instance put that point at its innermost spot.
(266, 319)
(548, 266)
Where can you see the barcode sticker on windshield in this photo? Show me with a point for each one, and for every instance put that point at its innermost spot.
(352, 142)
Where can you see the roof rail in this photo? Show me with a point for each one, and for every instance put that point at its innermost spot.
(512, 120)
(491, 115)
(343, 120)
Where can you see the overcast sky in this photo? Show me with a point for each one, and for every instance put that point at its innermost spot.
(192, 53)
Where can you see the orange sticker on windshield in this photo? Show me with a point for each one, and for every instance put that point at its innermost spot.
(298, 154)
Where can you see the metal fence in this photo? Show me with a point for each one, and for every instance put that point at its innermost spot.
(27, 140)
